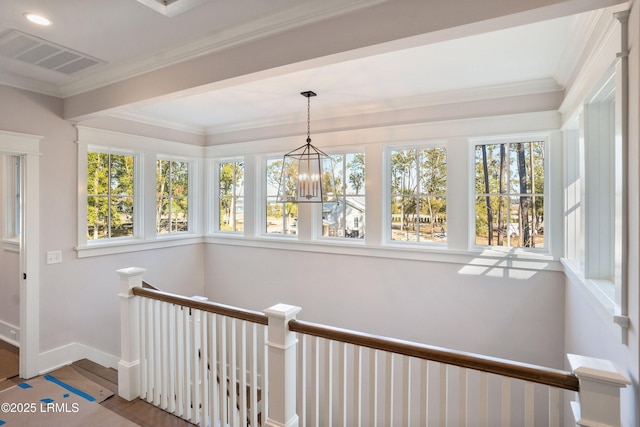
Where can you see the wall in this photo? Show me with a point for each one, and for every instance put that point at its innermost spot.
(508, 313)
(79, 306)
(589, 331)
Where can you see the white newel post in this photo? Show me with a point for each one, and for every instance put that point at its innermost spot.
(129, 365)
(599, 397)
(281, 377)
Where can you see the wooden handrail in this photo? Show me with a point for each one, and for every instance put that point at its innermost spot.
(211, 307)
(538, 374)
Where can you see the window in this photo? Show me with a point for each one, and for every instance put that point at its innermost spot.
(509, 194)
(231, 196)
(418, 195)
(172, 196)
(345, 217)
(110, 195)
(280, 218)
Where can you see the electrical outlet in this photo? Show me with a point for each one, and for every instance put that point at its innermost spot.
(54, 257)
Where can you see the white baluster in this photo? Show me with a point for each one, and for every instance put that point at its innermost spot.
(224, 401)
(506, 402)
(424, 392)
(443, 394)
(328, 381)
(342, 400)
(303, 381)
(554, 407)
(484, 399)
(529, 404)
(389, 373)
(357, 386)
(373, 385)
(243, 373)
(406, 380)
(462, 396)
(315, 380)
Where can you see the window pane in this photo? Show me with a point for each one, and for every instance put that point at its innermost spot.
(403, 218)
(97, 217)
(179, 214)
(280, 218)
(110, 195)
(172, 191)
(163, 224)
(179, 179)
(122, 217)
(433, 171)
(163, 178)
(418, 199)
(511, 213)
(230, 195)
(433, 218)
(121, 174)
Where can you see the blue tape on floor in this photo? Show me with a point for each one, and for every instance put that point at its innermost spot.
(46, 400)
(70, 388)
(2, 422)
(25, 385)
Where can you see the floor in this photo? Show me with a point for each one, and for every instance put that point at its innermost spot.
(137, 410)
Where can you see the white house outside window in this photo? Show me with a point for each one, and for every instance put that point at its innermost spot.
(418, 199)
(110, 195)
(345, 216)
(509, 194)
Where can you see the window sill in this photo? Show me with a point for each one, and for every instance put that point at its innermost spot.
(124, 246)
(481, 259)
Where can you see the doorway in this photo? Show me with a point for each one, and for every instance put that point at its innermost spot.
(26, 148)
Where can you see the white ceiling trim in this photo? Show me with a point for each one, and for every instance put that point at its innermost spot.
(442, 98)
(304, 14)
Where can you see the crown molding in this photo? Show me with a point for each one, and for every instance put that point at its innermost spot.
(301, 15)
(405, 103)
(443, 98)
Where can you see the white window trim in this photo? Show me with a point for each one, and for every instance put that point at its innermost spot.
(192, 199)
(604, 295)
(214, 174)
(548, 197)
(146, 150)
(317, 224)
(386, 191)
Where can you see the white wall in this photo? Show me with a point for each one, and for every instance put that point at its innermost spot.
(500, 312)
(78, 298)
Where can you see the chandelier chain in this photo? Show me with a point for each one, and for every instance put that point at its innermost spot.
(308, 119)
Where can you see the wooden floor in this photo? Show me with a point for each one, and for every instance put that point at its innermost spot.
(137, 410)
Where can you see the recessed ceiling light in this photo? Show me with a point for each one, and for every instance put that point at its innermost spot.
(37, 19)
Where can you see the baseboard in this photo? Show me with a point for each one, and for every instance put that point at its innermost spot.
(67, 354)
(9, 333)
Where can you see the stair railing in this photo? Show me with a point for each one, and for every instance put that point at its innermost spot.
(216, 365)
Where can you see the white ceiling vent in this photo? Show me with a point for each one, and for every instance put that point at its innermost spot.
(172, 8)
(42, 53)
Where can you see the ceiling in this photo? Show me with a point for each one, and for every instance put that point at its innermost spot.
(126, 37)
